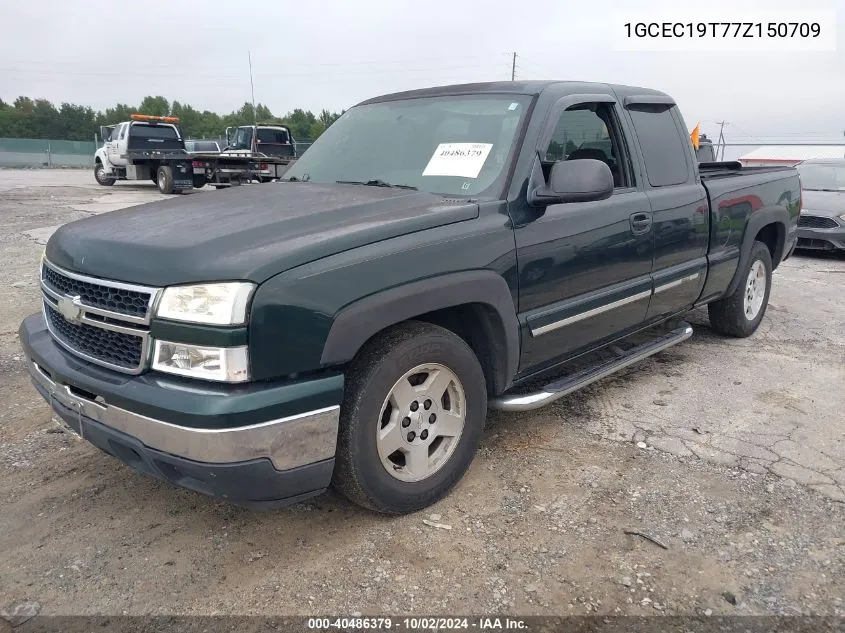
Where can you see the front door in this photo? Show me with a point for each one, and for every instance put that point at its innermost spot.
(584, 268)
(111, 144)
(117, 149)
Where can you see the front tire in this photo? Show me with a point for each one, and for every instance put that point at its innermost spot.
(414, 407)
(100, 176)
(164, 179)
(741, 313)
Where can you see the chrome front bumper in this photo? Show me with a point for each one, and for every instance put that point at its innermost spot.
(287, 442)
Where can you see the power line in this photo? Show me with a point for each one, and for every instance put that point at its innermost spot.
(537, 67)
(182, 75)
(378, 62)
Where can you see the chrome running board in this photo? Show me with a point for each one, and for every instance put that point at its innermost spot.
(590, 374)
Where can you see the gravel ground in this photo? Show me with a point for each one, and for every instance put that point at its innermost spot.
(724, 458)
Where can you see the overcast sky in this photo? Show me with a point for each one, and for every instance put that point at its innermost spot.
(332, 54)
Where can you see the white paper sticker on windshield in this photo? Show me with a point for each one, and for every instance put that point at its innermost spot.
(458, 159)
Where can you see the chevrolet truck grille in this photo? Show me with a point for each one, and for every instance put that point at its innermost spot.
(98, 295)
(105, 322)
(123, 350)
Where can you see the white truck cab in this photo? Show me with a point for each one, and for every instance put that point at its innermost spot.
(144, 148)
(153, 148)
(264, 140)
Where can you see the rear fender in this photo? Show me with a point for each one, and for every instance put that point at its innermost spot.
(756, 221)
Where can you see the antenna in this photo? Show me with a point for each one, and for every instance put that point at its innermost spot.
(251, 86)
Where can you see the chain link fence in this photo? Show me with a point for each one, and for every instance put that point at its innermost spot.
(33, 152)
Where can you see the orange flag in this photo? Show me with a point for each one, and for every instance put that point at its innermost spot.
(694, 135)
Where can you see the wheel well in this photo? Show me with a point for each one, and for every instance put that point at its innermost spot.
(481, 328)
(97, 160)
(773, 236)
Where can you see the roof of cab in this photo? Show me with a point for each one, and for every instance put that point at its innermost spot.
(509, 87)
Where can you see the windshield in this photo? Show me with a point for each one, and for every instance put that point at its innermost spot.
(822, 176)
(243, 138)
(456, 145)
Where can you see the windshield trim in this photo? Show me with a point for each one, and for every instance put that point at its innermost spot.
(519, 142)
(460, 90)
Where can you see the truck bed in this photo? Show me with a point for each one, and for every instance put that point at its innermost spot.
(725, 169)
(740, 197)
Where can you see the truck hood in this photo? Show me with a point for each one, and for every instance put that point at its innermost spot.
(244, 233)
(826, 203)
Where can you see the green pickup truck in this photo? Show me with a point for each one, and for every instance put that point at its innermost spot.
(434, 253)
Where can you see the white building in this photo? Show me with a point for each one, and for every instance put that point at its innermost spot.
(789, 154)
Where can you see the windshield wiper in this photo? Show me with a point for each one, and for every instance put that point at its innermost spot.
(833, 190)
(375, 182)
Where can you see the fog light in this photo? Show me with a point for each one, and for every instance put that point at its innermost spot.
(223, 364)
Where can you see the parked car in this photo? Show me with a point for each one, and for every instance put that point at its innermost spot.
(425, 259)
(822, 222)
(202, 147)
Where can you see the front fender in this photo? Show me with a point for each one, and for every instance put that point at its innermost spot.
(103, 158)
(360, 321)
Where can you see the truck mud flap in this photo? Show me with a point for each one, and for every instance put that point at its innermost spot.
(183, 175)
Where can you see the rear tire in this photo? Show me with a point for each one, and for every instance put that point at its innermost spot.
(741, 313)
(100, 176)
(164, 179)
(414, 407)
(199, 182)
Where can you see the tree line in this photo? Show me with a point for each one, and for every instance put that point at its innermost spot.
(39, 118)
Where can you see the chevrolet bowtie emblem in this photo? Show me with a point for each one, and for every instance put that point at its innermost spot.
(70, 310)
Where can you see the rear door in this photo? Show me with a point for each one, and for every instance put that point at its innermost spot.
(678, 200)
(584, 268)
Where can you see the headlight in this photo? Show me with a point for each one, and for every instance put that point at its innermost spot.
(215, 304)
(224, 364)
(842, 217)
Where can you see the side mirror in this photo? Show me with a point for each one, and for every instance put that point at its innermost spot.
(580, 180)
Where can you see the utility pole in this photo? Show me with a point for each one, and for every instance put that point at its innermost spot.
(252, 87)
(721, 142)
(513, 67)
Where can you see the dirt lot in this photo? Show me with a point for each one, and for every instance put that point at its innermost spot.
(741, 478)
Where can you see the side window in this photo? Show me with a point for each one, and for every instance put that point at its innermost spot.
(123, 129)
(664, 149)
(591, 131)
(115, 131)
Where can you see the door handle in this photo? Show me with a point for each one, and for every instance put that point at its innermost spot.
(640, 223)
